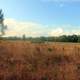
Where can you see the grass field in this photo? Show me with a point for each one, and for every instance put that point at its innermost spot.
(22, 60)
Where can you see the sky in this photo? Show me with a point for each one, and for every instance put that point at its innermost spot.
(41, 17)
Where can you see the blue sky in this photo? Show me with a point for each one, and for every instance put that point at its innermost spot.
(60, 14)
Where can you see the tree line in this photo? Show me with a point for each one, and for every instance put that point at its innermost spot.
(63, 38)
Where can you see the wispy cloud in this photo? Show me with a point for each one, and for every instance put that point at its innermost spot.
(33, 29)
(61, 0)
(18, 28)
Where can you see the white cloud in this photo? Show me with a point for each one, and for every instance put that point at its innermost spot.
(61, 31)
(56, 32)
(33, 29)
(17, 28)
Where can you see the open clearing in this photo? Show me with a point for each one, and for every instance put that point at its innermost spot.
(22, 60)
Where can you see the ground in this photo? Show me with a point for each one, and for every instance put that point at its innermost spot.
(22, 60)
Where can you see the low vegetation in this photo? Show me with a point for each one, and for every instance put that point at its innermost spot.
(22, 60)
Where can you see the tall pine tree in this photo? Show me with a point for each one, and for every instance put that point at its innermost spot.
(2, 26)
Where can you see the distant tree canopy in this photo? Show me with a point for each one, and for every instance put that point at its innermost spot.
(63, 38)
(2, 26)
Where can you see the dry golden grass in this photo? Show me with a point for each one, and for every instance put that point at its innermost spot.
(22, 60)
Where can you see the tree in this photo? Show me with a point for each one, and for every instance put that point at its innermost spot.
(63, 38)
(2, 26)
(78, 38)
(73, 38)
(24, 37)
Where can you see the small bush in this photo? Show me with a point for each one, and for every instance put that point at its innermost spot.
(49, 49)
(44, 78)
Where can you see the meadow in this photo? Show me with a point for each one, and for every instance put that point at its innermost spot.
(23, 60)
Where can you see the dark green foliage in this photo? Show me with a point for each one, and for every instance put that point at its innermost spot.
(73, 38)
(49, 49)
(64, 38)
(2, 26)
(1, 16)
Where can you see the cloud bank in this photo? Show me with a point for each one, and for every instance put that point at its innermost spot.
(33, 29)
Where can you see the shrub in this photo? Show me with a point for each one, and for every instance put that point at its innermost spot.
(49, 49)
(44, 78)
